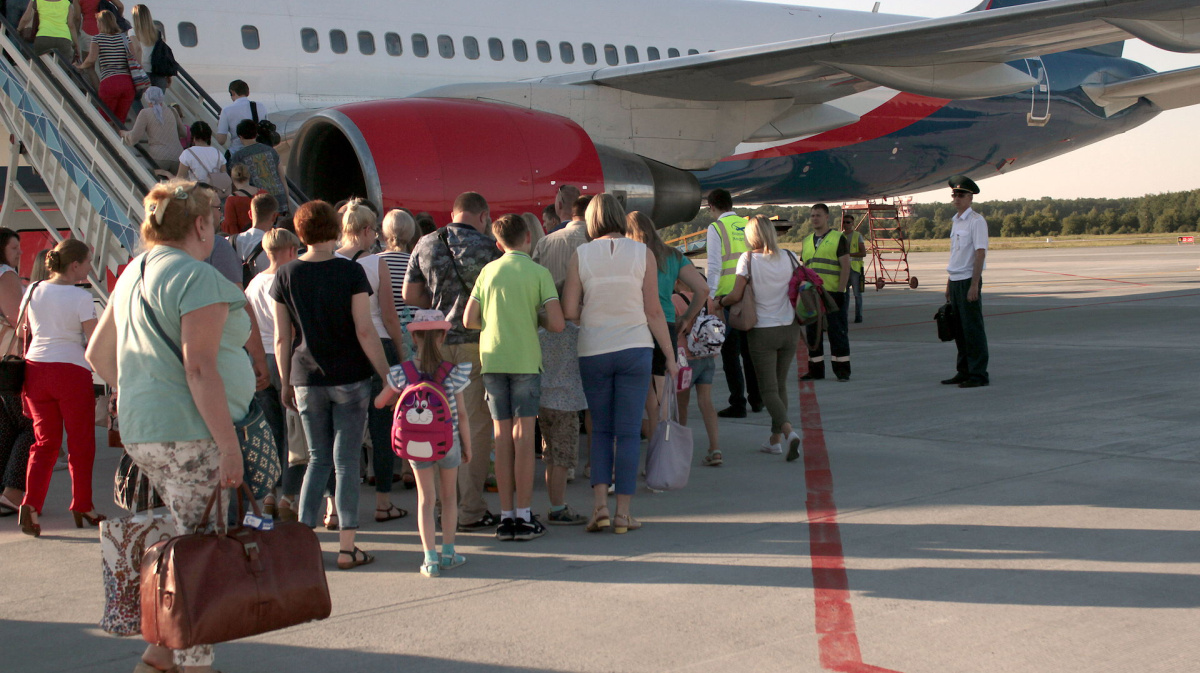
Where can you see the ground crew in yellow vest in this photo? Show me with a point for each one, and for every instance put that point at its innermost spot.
(858, 250)
(828, 253)
(726, 243)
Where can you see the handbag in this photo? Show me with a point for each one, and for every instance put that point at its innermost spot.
(947, 322)
(297, 443)
(141, 81)
(29, 31)
(260, 456)
(743, 315)
(669, 457)
(12, 366)
(207, 588)
(122, 543)
(132, 490)
(684, 382)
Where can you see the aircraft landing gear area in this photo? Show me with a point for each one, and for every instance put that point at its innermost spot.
(888, 241)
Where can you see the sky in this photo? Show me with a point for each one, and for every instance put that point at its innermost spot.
(1162, 155)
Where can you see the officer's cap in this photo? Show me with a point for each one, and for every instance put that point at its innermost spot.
(963, 183)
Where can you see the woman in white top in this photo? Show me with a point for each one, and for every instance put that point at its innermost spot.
(773, 339)
(16, 430)
(612, 291)
(359, 233)
(201, 159)
(58, 383)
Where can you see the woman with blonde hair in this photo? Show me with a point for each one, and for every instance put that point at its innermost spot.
(359, 233)
(773, 339)
(536, 232)
(673, 267)
(148, 37)
(172, 339)
(58, 383)
(612, 291)
(110, 52)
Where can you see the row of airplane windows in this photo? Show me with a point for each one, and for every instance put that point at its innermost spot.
(310, 40)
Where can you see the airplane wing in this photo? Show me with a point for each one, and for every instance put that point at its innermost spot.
(1167, 90)
(956, 57)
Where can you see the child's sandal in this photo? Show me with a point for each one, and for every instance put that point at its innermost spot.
(431, 569)
(713, 459)
(452, 561)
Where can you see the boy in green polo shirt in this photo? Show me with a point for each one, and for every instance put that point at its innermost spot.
(505, 303)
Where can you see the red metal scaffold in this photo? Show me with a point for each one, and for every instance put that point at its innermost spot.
(888, 240)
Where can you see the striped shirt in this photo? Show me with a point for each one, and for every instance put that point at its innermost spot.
(397, 264)
(114, 54)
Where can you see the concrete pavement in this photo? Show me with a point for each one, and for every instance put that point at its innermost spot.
(1045, 523)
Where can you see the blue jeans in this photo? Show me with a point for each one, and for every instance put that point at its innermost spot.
(334, 418)
(293, 476)
(615, 385)
(856, 286)
(379, 425)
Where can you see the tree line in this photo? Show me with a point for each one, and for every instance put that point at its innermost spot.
(1154, 213)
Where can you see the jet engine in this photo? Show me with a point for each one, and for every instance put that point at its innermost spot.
(420, 153)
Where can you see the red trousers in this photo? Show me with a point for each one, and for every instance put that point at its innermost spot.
(117, 93)
(58, 393)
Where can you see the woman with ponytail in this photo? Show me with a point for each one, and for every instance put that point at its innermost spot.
(58, 383)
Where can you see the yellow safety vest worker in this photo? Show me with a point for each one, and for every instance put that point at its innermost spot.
(824, 260)
(732, 231)
(856, 245)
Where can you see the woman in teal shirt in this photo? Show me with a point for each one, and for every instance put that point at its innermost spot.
(672, 267)
(177, 415)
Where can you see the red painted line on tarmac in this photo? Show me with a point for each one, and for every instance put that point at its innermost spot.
(1106, 280)
(1040, 310)
(837, 635)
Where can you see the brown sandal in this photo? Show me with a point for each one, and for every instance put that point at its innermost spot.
(623, 523)
(600, 520)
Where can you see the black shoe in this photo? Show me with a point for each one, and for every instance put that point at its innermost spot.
(732, 412)
(858, 319)
(527, 530)
(757, 407)
(973, 383)
(810, 377)
(955, 380)
(843, 379)
(488, 520)
(506, 530)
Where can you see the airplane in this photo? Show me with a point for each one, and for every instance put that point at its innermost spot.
(411, 103)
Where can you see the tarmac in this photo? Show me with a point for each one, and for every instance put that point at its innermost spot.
(1045, 523)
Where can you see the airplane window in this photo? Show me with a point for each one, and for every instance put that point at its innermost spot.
(520, 51)
(652, 54)
(496, 48)
(471, 47)
(366, 42)
(692, 52)
(310, 40)
(589, 53)
(446, 46)
(566, 52)
(420, 45)
(337, 41)
(543, 49)
(672, 53)
(391, 41)
(250, 37)
(631, 55)
(610, 54)
(187, 34)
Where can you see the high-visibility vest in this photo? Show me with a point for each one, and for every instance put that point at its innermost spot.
(823, 259)
(856, 245)
(732, 231)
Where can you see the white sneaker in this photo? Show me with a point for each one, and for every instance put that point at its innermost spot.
(773, 449)
(793, 446)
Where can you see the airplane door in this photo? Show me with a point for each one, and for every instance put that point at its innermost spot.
(1039, 95)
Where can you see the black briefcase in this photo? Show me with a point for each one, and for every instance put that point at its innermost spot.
(947, 322)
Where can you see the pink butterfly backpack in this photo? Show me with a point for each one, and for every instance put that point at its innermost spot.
(423, 426)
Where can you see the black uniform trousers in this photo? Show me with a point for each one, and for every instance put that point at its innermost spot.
(839, 342)
(969, 337)
(739, 370)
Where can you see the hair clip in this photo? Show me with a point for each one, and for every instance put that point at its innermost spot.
(181, 194)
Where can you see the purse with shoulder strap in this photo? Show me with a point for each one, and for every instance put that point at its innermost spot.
(743, 315)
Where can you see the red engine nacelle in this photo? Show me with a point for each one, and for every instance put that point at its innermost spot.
(420, 153)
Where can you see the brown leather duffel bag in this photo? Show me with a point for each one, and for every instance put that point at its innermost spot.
(207, 588)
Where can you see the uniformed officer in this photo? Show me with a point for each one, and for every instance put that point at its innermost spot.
(726, 243)
(858, 250)
(828, 253)
(968, 251)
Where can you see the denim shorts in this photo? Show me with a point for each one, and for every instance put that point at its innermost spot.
(703, 370)
(513, 395)
(452, 459)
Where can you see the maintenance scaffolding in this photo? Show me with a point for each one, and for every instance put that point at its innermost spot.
(887, 237)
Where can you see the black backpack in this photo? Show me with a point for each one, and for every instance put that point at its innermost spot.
(249, 270)
(267, 134)
(162, 60)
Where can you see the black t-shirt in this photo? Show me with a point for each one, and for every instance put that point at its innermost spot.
(318, 297)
